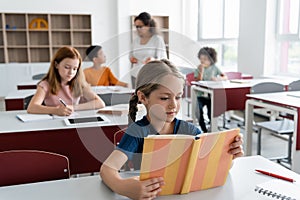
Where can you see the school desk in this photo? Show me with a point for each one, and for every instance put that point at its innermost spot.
(111, 95)
(86, 145)
(27, 85)
(225, 96)
(287, 102)
(240, 184)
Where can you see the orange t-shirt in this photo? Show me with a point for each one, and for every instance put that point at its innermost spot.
(102, 76)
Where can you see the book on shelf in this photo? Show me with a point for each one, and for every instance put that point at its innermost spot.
(188, 163)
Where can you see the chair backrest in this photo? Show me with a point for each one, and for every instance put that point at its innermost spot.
(28, 166)
(38, 76)
(294, 86)
(267, 87)
(189, 78)
(118, 136)
(233, 75)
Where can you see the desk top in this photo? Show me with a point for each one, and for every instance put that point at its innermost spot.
(231, 85)
(289, 99)
(19, 94)
(10, 123)
(240, 184)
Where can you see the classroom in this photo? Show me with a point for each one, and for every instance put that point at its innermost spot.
(136, 99)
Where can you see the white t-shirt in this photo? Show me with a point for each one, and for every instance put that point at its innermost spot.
(154, 48)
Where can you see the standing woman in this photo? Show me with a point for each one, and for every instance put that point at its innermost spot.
(63, 87)
(147, 46)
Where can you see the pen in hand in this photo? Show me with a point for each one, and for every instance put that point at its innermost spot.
(275, 175)
(62, 101)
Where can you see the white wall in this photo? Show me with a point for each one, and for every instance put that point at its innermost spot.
(251, 44)
(111, 29)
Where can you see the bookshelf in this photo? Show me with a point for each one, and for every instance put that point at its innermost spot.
(24, 44)
(162, 25)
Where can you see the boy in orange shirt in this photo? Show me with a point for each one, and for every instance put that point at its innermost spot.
(99, 74)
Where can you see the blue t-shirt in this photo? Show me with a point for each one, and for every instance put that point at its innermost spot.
(133, 140)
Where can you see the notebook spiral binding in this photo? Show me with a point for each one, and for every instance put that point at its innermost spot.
(272, 194)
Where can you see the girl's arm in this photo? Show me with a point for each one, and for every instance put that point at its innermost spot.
(93, 101)
(35, 106)
(200, 73)
(130, 187)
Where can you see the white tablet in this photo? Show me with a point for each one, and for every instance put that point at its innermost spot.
(95, 119)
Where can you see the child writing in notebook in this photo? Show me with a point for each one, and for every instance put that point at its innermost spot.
(159, 88)
(63, 87)
(99, 74)
(207, 71)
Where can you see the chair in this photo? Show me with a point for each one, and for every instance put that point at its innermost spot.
(230, 76)
(279, 127)
(187, 91)
(233, 75)
(38, 76)
(28, 166)
(294, 86)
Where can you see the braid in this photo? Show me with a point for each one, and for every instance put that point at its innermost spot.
(133, 108)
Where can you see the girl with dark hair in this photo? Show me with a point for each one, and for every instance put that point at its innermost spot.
(60, 91)
(159, 89)
(148, 45)
(207, 71)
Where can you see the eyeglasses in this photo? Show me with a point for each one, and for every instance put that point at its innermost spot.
(139, 27)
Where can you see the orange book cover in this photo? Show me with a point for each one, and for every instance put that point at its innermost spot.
(188, 163)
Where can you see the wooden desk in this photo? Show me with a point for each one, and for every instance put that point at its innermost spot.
(86, 146)
(19, 99)
(111, 95)
(28, 85)
(240, 184)
(225, 96)
(279, 101)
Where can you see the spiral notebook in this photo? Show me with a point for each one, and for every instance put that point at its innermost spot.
(279, 189)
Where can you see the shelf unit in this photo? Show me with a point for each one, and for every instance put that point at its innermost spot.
(20, 43)
(162, 25)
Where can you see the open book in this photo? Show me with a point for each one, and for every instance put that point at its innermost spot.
(188, 163)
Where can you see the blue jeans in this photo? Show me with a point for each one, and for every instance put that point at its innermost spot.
(204, 101)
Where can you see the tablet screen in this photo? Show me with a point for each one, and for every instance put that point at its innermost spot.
(85, 120)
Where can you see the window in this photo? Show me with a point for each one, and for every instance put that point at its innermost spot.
(288, 37)
(218, 28)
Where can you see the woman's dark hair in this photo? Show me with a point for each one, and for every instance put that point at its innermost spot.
(92, 51)
(147, 21)
(210, 53)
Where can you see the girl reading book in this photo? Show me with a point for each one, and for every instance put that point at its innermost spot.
(159, 86)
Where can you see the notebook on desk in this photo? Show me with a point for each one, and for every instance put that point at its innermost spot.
(279, 189)
(186, 162)
(26, 117)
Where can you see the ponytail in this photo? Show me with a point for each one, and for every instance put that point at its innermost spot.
(152, 25)
(133, 108)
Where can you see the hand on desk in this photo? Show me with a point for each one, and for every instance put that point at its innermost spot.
(147, 189)
(236, 148)
(62, 110)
